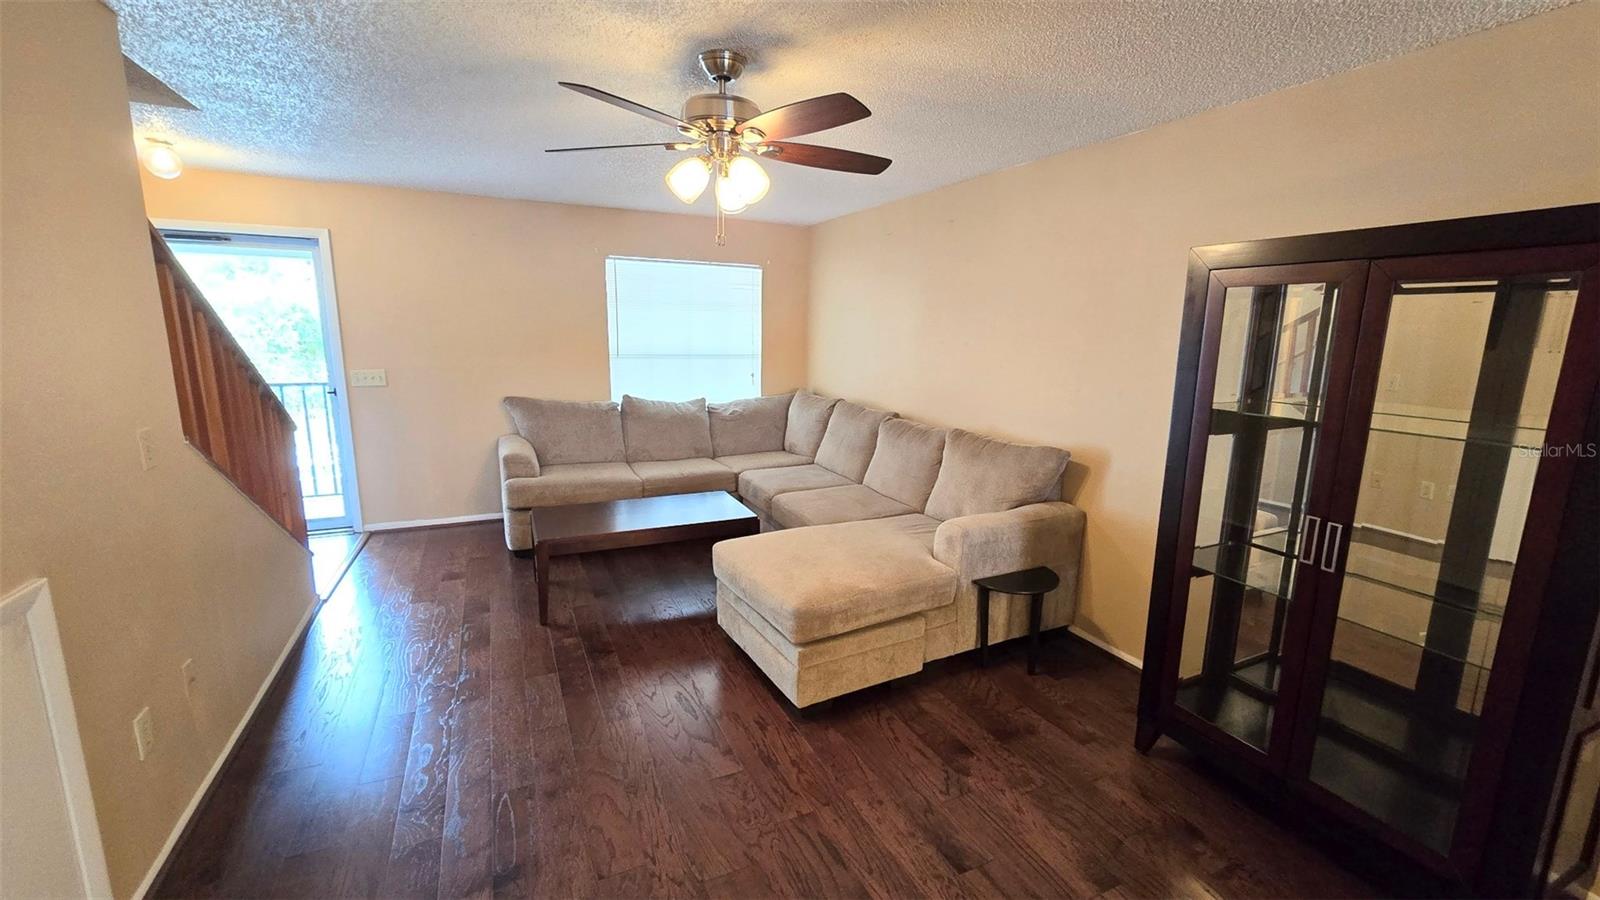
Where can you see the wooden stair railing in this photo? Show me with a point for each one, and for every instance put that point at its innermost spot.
(229, 413)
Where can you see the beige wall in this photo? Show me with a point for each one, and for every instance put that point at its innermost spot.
(1042, 302)
(147, 568)
(467, 299)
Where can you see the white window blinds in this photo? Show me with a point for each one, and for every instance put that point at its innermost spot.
(681, 330)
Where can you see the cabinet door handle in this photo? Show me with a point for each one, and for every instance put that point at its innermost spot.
(1330, 547)
(1309, 525)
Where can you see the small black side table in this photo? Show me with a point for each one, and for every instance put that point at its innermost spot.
(1035, 582)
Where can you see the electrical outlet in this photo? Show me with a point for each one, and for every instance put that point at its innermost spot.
(147, 453)
(190, 677)
(369, 378)
(1377, 480)
(144, 733)
(1425, 490)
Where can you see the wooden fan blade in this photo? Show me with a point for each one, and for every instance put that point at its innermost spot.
(807, 116)
(624, 103)
(675, 146)
(826, 158)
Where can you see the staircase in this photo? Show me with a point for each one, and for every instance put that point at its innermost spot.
(229, 412)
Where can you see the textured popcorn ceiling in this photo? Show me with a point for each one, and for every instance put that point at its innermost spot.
(461, 96)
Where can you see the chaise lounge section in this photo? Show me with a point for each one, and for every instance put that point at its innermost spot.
(875, 527)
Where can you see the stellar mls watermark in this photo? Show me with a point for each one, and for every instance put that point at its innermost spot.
(1576, 451)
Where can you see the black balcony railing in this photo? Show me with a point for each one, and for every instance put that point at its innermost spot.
(316, 447)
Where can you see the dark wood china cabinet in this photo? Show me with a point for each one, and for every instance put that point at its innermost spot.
(1375, 587)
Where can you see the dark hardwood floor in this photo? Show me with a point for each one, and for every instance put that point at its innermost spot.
(432, 739)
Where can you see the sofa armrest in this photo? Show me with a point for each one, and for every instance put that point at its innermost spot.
(517, 459)
(985, 544)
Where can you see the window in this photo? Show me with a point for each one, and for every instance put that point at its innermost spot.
(681, 330)
(1300, 338)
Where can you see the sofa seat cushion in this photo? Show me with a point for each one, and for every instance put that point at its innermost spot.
(573, 483)
(754, 425)
(759, 486)
(813, 672)
(569, 431)
(771, 459)
(684, 476)
(983, 475)
(661, 429)
(815, 583)
(826, 506)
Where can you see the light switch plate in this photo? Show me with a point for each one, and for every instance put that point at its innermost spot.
(369, 378)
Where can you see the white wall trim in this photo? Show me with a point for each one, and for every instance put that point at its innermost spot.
(182, 824)
(426, 523)
(31, 602)
(1128, 658)
(328, 298)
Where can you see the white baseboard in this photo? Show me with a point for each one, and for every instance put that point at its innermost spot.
(227, 753)
(1128, 658)
(425, 523)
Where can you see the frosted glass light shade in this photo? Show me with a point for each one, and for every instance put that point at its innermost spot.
(688, 178)
(749, 179)
(728, 196)
(162, 161)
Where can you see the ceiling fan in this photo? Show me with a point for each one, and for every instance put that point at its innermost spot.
(729, 133)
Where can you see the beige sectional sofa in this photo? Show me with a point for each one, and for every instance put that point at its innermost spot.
(874, 526)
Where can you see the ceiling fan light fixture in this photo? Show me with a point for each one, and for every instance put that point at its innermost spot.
(728, 133)
(161, 160)
(748, 178)
(729, 198)
(688, 178)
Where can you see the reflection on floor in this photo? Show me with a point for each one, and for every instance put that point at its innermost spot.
(331, 552)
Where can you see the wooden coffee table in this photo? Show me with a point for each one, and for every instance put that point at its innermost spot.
(615, 524)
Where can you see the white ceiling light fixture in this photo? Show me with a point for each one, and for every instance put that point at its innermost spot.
(161, 160)
(727, 133)
(688, 179)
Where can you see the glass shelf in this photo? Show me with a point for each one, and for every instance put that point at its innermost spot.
(1419, 578)
(1531, 449)
(1479, 655)
(1263, 571)
(1226, 419)
(1490, 612)
(1527, 438)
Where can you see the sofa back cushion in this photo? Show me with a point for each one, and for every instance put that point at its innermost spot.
(755, 425)
(980, 475)
(906, 461)
(808, 419)
(662, 429)
(568, 431)
(852, 434)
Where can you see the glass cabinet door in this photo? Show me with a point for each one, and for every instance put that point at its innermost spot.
(1449, 422)
(1260, 416)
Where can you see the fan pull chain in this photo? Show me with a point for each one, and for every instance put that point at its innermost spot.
(722, 227)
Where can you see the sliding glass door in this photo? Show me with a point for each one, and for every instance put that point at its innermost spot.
(272, 291)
